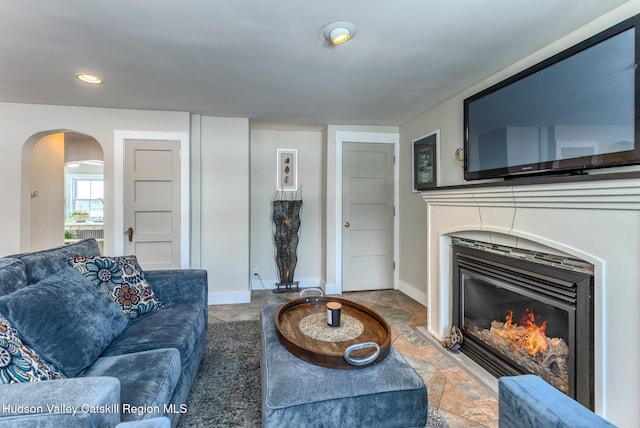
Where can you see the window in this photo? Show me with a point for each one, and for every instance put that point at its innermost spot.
(86, 193)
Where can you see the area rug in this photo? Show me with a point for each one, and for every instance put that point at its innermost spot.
(226, 392)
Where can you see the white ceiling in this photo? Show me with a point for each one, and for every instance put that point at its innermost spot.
(268, 61)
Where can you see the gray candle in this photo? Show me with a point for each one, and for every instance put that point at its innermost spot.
(333, 314)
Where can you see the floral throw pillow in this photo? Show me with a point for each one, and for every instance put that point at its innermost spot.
(122, 279)
(19, 362)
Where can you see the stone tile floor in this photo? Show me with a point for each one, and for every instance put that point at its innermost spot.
(458, 396)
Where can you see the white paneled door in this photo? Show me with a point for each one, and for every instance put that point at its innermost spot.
(367, 215)
(152, 202)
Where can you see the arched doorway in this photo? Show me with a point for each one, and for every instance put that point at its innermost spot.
(53, 187)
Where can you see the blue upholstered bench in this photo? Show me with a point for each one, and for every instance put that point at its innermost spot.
(296, 393)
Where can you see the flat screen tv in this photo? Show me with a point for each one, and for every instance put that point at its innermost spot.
(572, 112)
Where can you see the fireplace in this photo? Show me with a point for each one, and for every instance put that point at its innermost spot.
(525, 312)
(593, 219)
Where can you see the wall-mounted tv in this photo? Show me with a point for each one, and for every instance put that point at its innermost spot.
(572, 112)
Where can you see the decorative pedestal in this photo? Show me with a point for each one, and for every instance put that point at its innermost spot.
(290, 287)
(286, 219)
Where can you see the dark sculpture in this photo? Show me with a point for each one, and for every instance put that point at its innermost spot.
(286, 219)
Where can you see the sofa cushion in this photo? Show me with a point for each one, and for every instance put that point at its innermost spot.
(42, 264)
(13, 275)
(122, 279)
(51, 404)
(18, 361)
(177, 326)
(147, 380)
(65, 319)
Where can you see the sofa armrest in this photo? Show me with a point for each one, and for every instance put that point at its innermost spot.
(527, 401)
(90, 401)
(179, 285)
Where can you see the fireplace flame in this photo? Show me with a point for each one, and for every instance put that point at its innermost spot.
(529, 336)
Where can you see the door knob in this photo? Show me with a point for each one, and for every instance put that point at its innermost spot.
(347, 224)
(129, 232)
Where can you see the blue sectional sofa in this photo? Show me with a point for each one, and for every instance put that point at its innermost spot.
(113, 369)
(527, 401)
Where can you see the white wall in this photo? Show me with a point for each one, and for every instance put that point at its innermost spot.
(224, 206)
(448, 118)
(309, 144)
(78, 147)
(222, 202)
(20, 122)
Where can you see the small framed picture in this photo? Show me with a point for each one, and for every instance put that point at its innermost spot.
(287, 172)
(425, 165)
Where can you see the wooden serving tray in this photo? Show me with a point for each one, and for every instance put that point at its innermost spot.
(331, 354)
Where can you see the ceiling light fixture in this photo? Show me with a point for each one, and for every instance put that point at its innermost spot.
(89, 78)
(339, 32)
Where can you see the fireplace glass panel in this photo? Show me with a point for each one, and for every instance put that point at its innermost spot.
(478, 315)
(526, 312)
(529, 330)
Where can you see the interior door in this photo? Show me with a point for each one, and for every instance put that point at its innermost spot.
(367, 211)
(152, 202)
(47, 192)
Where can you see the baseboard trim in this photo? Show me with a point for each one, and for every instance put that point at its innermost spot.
(419, 296)
(333, 290)
(270, 284)
(229, 298)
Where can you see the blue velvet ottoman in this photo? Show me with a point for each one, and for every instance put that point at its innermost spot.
(296, 393)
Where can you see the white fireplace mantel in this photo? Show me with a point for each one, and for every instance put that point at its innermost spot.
(596, 221)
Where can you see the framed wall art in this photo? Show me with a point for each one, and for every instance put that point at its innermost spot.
(425, 165)
(287, 172)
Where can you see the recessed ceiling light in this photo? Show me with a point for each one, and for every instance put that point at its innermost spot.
(89, 78)
(339, 32)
